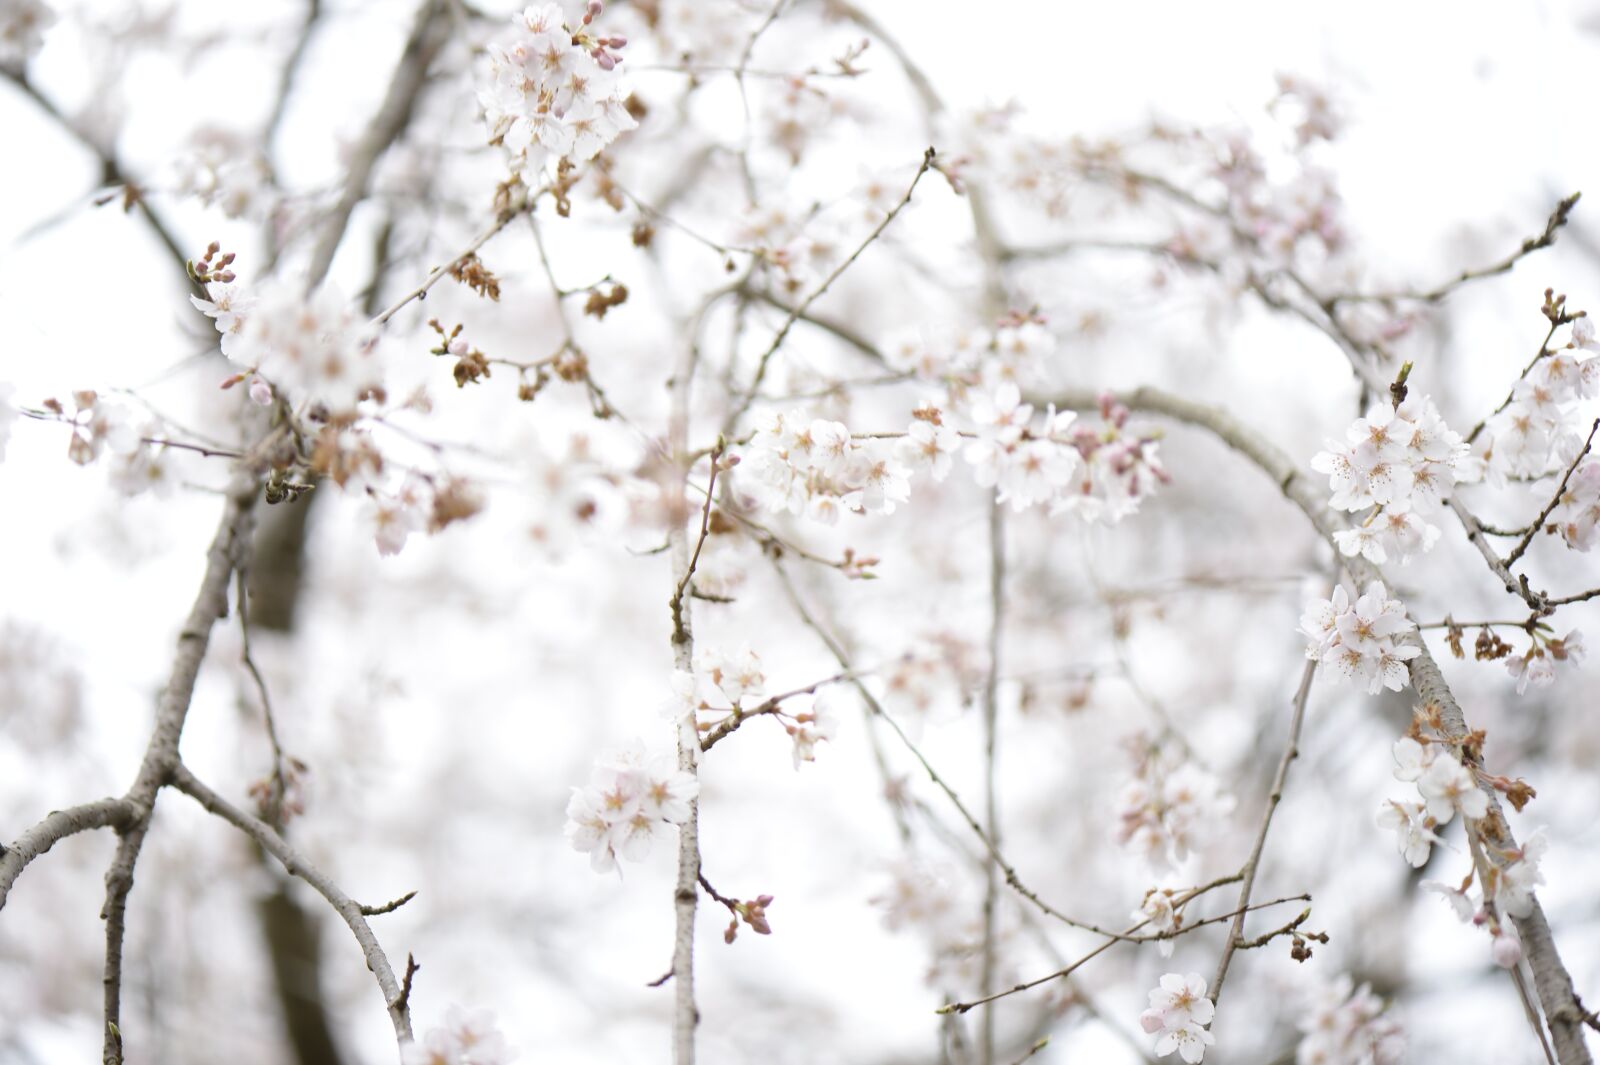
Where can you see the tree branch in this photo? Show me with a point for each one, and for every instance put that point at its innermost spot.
(347, 908)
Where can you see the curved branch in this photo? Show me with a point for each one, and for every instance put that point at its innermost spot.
(353, 913)
(57, 826)
(1562, 1011)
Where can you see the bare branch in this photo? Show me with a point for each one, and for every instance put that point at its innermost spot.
(295, 865)
(57, 826)
(428, 33)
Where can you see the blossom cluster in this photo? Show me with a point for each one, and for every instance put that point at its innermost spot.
(1396, 463)
(628, 803)
(1576, 515)
(309, 346)
(1360, 639)
(464, 1039)
(551, 90)
(1537, 430)
(736, 678)
(1170, 808)
(1179, 1012)
(1348, 1027)
(815, 467)
(1512, 885)
(1537, 665)
(22, 27)
(1445, 785)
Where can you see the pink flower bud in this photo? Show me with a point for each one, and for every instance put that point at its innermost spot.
(1507, 948)
(604, 59)
(260, 393)
(616, 42)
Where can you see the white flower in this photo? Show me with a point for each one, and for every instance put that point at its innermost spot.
(1318, 621)
(1411, 758)
(813, 726)
(1345, 1027)
(1395, 460)
(1514, 892)
(1157, 910)
(1413, 838)
(312, 346)
(626, 806)
(146, 468)
(1036, 472)
(738, 675)
(22, 26)
(1462, 903)
(543, 96)
(930, 445)
(1179, 1011)
(1359, 640)
(1533, 667)
(465, 1039)
(1447, 785)
(1583, 334)
(228, 309)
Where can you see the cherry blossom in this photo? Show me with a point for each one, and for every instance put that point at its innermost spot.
(313, 346)
(737, 674)
(1518, 878)
(1413, 830)
(1348, 1026)
(1158, 911)
(464, 1039)
(550, 90)
(229, 308)
(928, 443)
(1448, 786)
(1179, 1012)
(1170, 808)
(628, 803)
(1360, 642)
(813, 726)
(1394, 462)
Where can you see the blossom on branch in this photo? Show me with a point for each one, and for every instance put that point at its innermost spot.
(551, 91)
(465, 1039)
(628, 803)
(1179, 1012)
(1360, 640)
(1394, 462)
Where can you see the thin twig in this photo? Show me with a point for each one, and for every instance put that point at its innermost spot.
(991, 716)
(1252, 865)
(1555, 500)
(1011, 878)
(817, 293)
(296, 865)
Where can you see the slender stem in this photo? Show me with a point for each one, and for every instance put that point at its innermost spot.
(991, 708)
(686, 894)
(1555, 500)
(1252, 865)
(351, 911)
